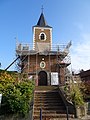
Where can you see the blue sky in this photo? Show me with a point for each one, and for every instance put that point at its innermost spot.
(70, 20)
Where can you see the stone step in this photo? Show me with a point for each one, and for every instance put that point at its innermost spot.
(47, 104)
(48, 98)
(36, 112)
(48, 101)
(44, 118)
(46, 92)
(50, 108)
(53, 116)
(46, 88)
(46, 95)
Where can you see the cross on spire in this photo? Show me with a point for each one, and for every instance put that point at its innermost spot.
(42, 8)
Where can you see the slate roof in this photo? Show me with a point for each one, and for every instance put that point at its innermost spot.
(42, 22)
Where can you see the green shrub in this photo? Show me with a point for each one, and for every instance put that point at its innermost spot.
(76, 95)
(17, 94)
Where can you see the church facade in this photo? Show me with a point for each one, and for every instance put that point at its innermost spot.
(44, 62)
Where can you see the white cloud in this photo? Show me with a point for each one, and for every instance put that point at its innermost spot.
(80, 53)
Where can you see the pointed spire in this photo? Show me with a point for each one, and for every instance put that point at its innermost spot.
(42, 22)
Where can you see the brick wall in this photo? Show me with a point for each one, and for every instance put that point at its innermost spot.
(32, 65)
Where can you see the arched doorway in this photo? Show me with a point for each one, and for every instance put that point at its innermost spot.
(42, 78)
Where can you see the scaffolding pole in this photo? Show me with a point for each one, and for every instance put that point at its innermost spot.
(12, 63)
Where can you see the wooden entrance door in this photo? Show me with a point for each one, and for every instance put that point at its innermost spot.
(42, 78)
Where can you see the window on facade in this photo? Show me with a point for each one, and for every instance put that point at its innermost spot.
(42, 37)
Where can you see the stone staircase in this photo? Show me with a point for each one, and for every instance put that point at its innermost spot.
(48, 99)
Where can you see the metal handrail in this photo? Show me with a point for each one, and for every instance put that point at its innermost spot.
(64, 101)
(28, 47)
(67, 112)
(40, 113)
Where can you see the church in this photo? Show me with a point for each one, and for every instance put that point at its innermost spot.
(44, 62)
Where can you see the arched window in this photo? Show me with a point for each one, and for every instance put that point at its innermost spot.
(42, 36)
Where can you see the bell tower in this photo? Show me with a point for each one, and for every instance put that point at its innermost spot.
(42, 35)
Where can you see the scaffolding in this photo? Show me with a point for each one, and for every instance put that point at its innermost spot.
(26, 51)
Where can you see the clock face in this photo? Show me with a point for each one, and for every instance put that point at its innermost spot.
(42, 36)
(42, 64)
